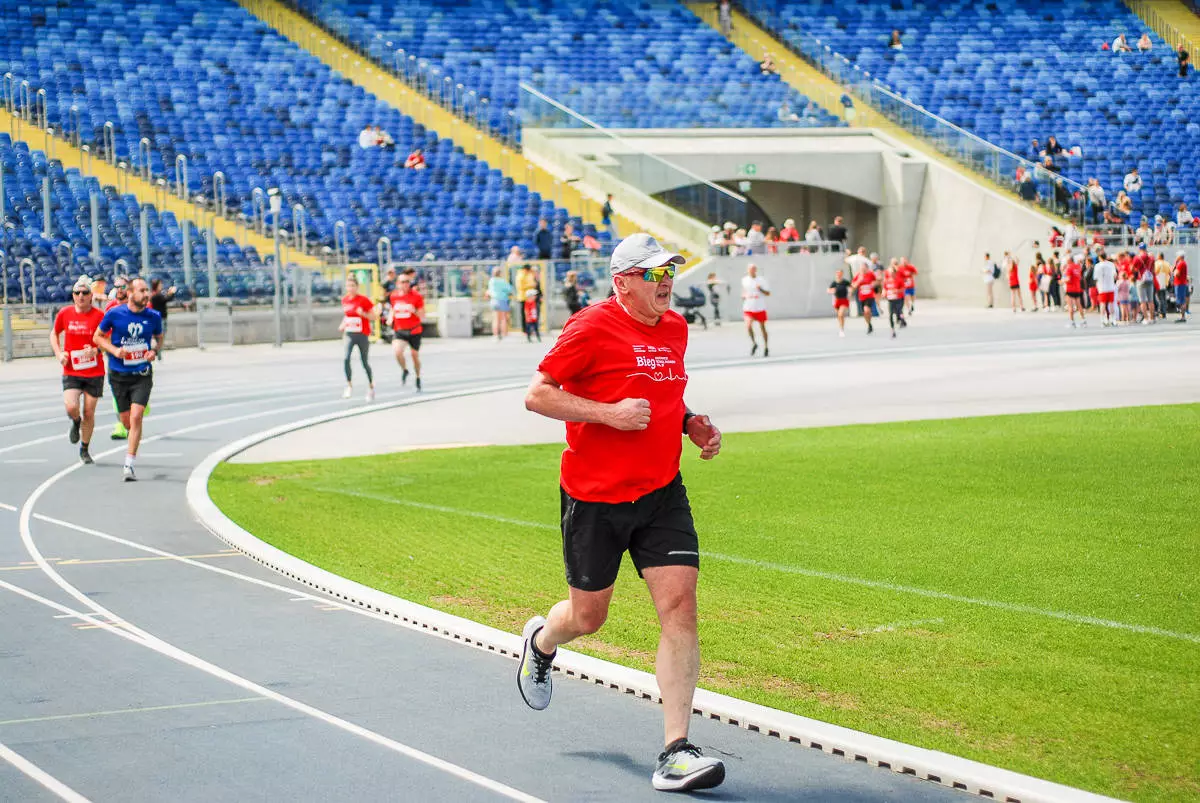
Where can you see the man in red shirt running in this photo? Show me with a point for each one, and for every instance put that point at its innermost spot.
(408, 309)
(83, 369)
(909, 272)
(616, 376)
(1073, 278)
(864, 283)
(893, 289)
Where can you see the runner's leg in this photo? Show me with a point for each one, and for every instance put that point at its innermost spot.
(677, 665)
(346, 358)
(582, 613)
(398, 350)
(71, 399)
(762, 327)
(88, 424)
(364, 346)
(134, 416)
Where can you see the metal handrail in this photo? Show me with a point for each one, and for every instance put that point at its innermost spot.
(181, 176)
(258, 207)
(110, 143)
(39, 109)
(144, 157)
(219, 193)
(300, 227)
(383, 254)
(76, 137)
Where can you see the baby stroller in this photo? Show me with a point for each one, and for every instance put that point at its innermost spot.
(690, 307)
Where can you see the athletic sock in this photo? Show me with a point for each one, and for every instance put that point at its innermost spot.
(129, 460)
(533, 645)
(83, 446)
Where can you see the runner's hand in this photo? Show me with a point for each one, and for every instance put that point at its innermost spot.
(150, 355)
(630, 414)
(702, 433)
(62, 359)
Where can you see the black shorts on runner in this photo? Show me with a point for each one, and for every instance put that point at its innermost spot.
(404, 336)
(1076, 296)
(130, 389)
(91, 385)
(656, 529)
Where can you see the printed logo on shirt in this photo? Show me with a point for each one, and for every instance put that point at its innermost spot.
(660, 363)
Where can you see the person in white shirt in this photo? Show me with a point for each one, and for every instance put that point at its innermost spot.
(991, 272)
(1133, 181)
(1105, 277)
(1119, 45)
(1097, 199)
(813, 235)
(754, 307)
(367, 138)
(755, 239)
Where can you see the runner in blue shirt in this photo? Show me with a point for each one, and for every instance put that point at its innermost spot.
(131, 334)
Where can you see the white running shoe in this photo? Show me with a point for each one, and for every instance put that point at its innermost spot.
(370, 394)
(841, 333)
(533, 673)
(682, 767)
(347, 392)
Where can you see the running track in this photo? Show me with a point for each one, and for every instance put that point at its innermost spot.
(223, 681)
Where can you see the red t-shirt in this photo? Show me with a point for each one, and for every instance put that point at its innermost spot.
(84, 358)
(1181, 275)
(406, 310)
(893, 286)
(112, 303)
(355, 309)
(531, 310)
(909, 273)
(1073, 276)
(866, 286)
(604, 355)
(1141, 263)
(1013, 279)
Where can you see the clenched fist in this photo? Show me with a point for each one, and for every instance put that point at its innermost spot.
(630, 414)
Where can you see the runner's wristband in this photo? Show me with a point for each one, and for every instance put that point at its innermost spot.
(686, 418)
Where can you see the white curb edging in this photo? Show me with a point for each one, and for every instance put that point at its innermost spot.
(942, 768)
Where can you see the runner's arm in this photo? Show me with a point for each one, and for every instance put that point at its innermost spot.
(58, 350)
(103, 340)
(546, 397)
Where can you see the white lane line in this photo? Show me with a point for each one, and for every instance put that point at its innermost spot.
(20, 461)
(138, 636)
(40, 776)
(125, 629)
(1013, 607)
(160, 454)
(7, 507)
(143, 710)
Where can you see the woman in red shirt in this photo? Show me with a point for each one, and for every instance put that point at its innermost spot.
(1073, 279)
(1014, 282)
(358, 312)
(893, 289)
(83, 370)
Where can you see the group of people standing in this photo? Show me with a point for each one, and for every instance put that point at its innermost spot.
(1128, 288)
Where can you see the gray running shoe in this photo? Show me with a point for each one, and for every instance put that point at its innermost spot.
(73, 435)
(683, 768)
(533, 673)
(128, 475)
(85, 457)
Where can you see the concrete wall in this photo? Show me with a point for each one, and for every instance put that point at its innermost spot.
(798, 283)
(781, 200)
(959, 220)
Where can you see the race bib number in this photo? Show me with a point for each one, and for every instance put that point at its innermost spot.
(135, 352)
(353, 324)
(82, 359)
(403, 310)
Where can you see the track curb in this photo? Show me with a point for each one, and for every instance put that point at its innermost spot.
(942, 768)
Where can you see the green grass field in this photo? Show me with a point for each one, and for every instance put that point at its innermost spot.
(1020, 590)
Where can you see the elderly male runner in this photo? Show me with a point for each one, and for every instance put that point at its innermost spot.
(616, 376)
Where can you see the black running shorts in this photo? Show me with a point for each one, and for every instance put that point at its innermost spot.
(91, 385)
(130, 389)
(406, 336)
(656, 529)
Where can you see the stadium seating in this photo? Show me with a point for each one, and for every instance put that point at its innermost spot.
(621, 63)
(1012, 71)
(206, 79)
(60, 259)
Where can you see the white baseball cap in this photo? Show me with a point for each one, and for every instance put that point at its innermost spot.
(641, 251)
(83, 283)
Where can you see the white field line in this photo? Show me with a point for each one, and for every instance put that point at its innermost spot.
(127, 630)
(40, 776)
(1012, 607)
